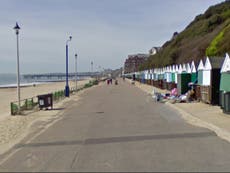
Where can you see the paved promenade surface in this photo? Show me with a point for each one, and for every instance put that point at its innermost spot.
(198, 113)
(120, 128)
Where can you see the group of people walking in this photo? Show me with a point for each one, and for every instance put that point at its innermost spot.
(110, 81)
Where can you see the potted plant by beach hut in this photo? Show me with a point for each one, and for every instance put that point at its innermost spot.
(211, 80)
(225, 85)
(183, 79)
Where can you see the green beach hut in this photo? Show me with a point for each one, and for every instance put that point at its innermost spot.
(211, 80)
(225, 84)
(193, 72)
(225, 75)
(183, 79)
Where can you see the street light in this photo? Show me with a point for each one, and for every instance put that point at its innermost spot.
(17, 28)
(76, 71)
(67, 75)
(91, 67)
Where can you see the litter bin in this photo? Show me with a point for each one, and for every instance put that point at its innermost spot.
(45, 101)
(226, 103)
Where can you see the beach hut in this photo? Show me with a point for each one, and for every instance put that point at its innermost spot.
(137, 75)
(169, 77)
(180, 70)
(184, 68)
(193, 73)
(211, 80)
(157, 75)
(225, 75)
(142, 77)
(176, 72)
(173, 76)
(183, 78)
(145, 76)
(194, 78)
(225, 85)
(173, 73)
(160, 78)
(151, 76)
(200, 73)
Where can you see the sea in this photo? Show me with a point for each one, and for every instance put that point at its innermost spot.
(10, 80)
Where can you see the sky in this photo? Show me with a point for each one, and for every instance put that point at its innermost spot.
(104, 32)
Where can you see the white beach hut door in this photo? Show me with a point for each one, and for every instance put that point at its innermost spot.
(207, 73)
(206, 77)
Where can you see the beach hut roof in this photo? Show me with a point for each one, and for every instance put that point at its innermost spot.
(193, 67)
(173, 68)
(226, 64)
(216, 62)
(184, 69)
(189, 68)
(180, 69)
(207, 65)
(170, 68)
(176, 68)
(201, 65)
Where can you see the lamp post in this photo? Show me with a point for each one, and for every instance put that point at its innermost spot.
(17, 28)
(91, 68)
(76, 71)
(67, 75)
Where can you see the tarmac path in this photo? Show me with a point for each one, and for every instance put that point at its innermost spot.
(119, 128)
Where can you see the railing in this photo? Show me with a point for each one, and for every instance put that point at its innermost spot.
(26, 104)
(31, 103)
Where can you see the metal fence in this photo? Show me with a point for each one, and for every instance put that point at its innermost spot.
(26, 104)
(31, 103)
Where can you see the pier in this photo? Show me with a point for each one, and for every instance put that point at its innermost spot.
(60, 75)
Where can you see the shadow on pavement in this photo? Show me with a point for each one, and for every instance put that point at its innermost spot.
(94, 141)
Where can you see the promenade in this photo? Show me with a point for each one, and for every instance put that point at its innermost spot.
(198, 113)
(117, 128)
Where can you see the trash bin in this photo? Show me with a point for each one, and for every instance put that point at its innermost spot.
(45, 101)
(226, 103)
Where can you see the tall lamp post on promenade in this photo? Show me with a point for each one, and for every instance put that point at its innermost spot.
(67, 75)
(91, 68)
(76, 71)
(17, 28)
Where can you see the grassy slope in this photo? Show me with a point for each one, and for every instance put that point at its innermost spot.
(208, 34)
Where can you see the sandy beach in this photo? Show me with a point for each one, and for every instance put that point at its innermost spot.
(8, 95)
(14, 128)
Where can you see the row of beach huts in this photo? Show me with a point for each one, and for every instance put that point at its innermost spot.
(210, 79)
